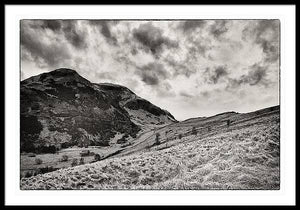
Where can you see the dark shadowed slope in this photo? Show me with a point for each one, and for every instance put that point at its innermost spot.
(61, 108)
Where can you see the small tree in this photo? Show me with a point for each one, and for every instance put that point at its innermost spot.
(180, 136)
(157, 138)
(64, 158)
(194, 131)
(167, 139)
(38, 161)
(228, 123)
(97, 157)
(85, 153)
(28, 174)
(103, 142)
(81, 161)
(74, 162)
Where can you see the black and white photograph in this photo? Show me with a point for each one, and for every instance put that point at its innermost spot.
(159, 104)
(150, 105)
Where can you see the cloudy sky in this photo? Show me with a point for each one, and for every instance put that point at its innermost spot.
(190, 68)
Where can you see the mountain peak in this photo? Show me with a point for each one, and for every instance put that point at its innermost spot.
(64, 71)
(57, 73)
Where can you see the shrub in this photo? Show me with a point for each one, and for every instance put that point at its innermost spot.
(64, 145)
(46, 149)
(74, 162)
(228, 123)
(157, 140)
(64, 158)
(167, 139)
(126, 144)
(85, 153)
(28, 174)
(180, 136)
(121, 140)
(38, 161)
(103, 143)
(44, 170)
(97, 157)
(194, 131)
(81, 161)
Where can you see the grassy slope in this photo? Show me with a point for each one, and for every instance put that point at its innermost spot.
(53, 160)
(245, 156)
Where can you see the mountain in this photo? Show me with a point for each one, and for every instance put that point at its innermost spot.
(61, 108)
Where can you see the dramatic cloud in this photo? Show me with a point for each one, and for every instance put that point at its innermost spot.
(188, 26)
(216, 74)
(219, 28)
(151, 38)
(43, 51)
(256, 75)
(54, 25)
(104, 28)
(180, 67)
(74, 35)
(266, 34)
(190, 68)
(152, 73)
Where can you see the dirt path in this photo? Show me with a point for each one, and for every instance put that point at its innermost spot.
(139, 143)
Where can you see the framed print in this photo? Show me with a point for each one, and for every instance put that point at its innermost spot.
(191, 102)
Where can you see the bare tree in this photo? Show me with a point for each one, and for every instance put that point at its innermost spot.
(157, 138)
(228, 123)
(194, 131)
